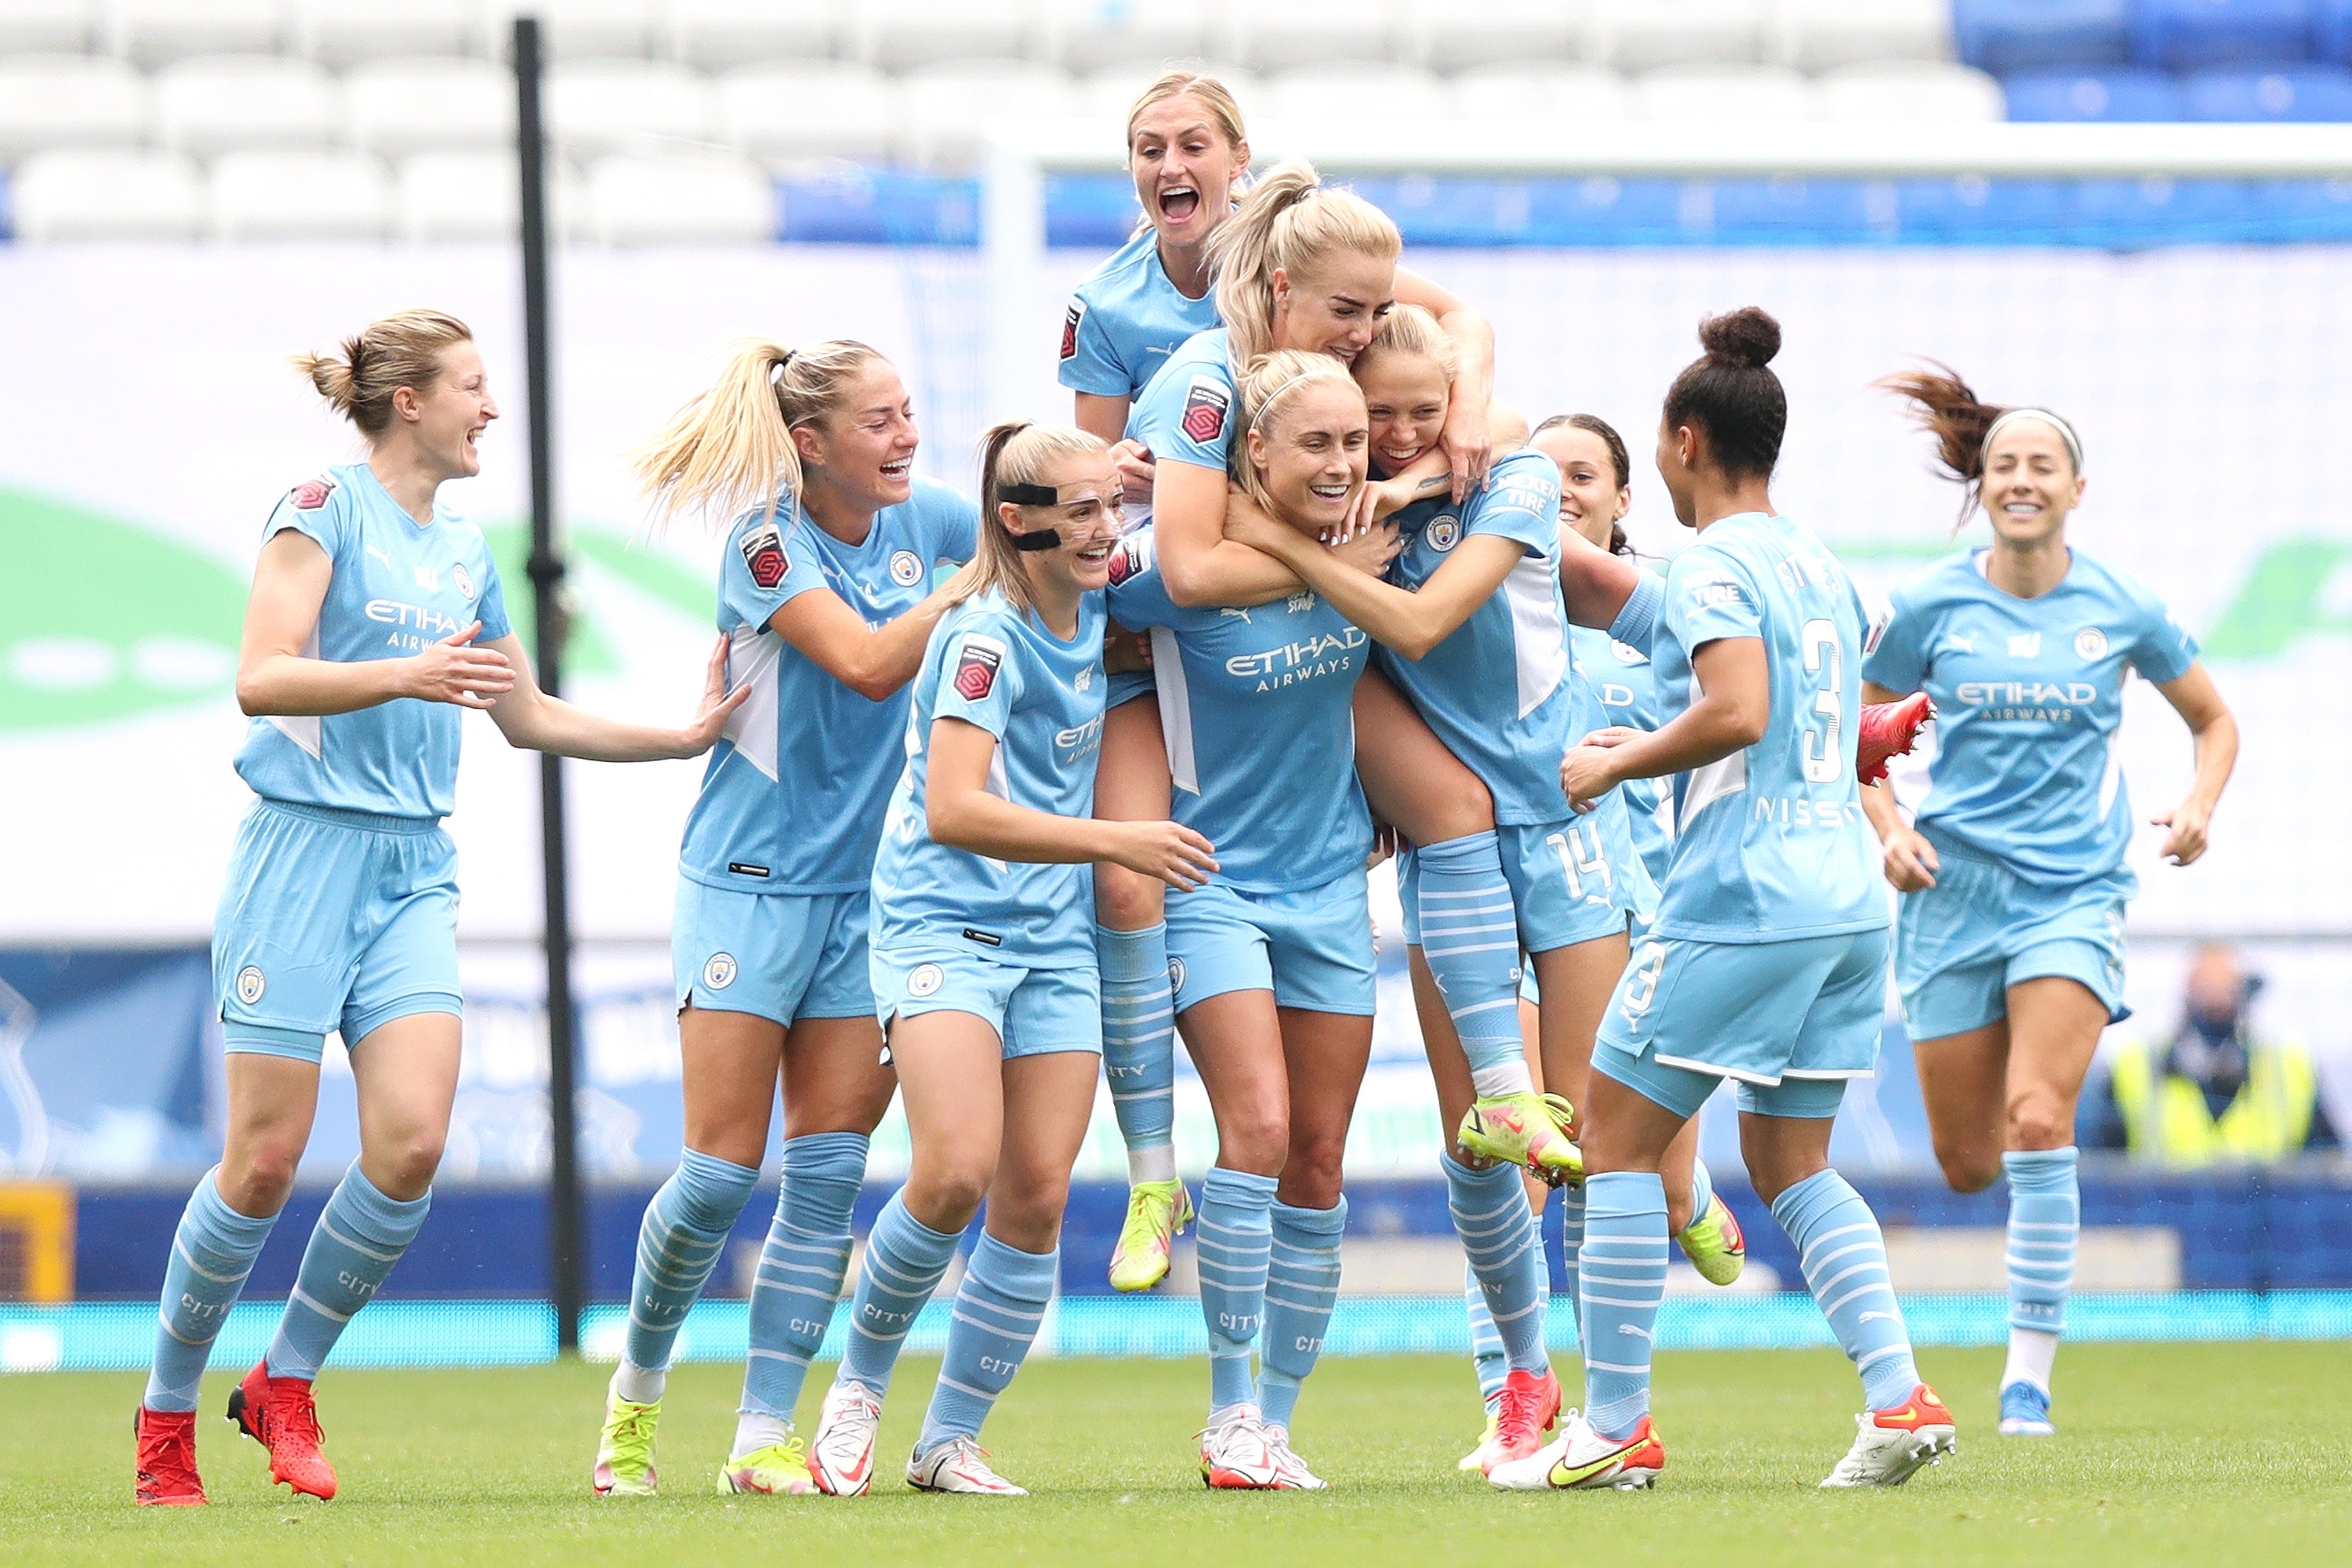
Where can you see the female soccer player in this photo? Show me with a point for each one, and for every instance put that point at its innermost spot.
(377, 614)
(2008, 946)
(982, 959)
(1274, 966)
(825, 596)
(1766, 963)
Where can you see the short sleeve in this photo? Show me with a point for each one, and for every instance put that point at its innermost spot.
(1521, 503)
(1710, 598)
(2162, 650)
(1138, 597)
(766, 566)
(1090, 360)
(1636, 624)
(1187, 415)
(979, 679)
(1894, 653)
(319, 507)
(490, 607)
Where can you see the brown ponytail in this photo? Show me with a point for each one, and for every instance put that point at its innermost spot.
(1943, 407)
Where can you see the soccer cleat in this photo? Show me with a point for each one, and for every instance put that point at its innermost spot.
(1528, 1408)
(1290, 1471)
(624, 1449)
(1478, 1458)
(777, 1469)
(959, 1465)
(1528, 1129)
(277, 1414)
(2026, 1412)
(1890, 1446)
(1715, 1243)
(1157, 1214)
(1581, 1459)
(167, 1459)
(1889, 730)
(1237, 1455)
(840, 1455)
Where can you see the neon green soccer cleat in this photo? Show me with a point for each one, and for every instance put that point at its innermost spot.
(1476, 1459)
(777, 1469)
(1715, 1243)
(1157, 1214)
(624, 1451)
(1530, 1130)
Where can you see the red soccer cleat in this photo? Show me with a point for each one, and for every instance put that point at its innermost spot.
(277, 1414)
(1528, 1407)
(1889, 730)
(167, 1459)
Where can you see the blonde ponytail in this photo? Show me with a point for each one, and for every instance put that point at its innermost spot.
(1015, 452)
(730, 448)
(1289, 220)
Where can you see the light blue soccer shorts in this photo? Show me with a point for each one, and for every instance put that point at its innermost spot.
(1034, 1011)
(1571, 881)
(1787, 1022)
(1981, 929)
(784, 956)
(332, 920)
(1312, 948)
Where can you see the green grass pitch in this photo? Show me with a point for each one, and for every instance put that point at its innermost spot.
(2177, 1453)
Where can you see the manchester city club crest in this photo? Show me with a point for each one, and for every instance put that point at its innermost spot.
(926, 980)
(2091, 643)
(464, 578)
(250, 985)
(719, 973)
(905, 568)
(1445, 532)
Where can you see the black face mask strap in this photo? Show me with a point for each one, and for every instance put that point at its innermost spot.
(1032, 495)
(1037, 539)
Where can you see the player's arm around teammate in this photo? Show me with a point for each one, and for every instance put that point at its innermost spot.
(982, 954)
(375, 615)
(2009, 950)
(825, 602)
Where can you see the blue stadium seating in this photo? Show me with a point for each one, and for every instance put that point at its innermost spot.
(2195, 34)
(2123, 94)
(2288, 93)
(2023, 35)
(2331, 31)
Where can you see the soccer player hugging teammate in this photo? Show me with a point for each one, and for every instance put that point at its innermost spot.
(1297, 266)
(2009, 938)
(1766, 963)
(375, 615)
(1273, 962)
(825, 598)
(983, 957)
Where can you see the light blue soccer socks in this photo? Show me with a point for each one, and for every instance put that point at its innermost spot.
(1138, 1010)
(1302, 1286)
(905, 1261)
(2045, 1219)
(1470, 938)
(998, 1308)
(1570, 1202)
(360, 1235)
(1844, 1261)
(1702, 1190)
(1236, 1235)
(678, 1242)
(1620, 1284)
(801, 1268)
(212, 1252)
(1506, 1250)
(1486, 1345)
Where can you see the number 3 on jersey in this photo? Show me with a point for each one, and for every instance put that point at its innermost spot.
(1820, 747)
(1582, 855)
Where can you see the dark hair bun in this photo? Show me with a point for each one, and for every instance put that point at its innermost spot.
(1747, 337)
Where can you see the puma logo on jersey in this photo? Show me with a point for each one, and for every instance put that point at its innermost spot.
(381, 555)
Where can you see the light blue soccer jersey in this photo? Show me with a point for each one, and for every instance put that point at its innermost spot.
(1185, 414)
(1622, 676)
(1500, 690)
(2029, 696)
(396, 587)
(990, 665)
(1125, 321)
(1770, 842)
(1257, 707)
(793, 798)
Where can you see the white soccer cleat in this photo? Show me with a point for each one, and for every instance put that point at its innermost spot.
(1890, 1446)
(1236, 1454)
(1581, 1459)
(959, 1465)
(840, 1455)
(1290, 1471)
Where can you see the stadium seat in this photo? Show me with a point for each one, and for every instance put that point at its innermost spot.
(1327, 96)
(106, 194)
(680, 201)
(1297, 34)
(1110, 93)
(614, 105)
(2331, 31)
(1820, 35)
(1538, 95)
(898, 33)
(397, 107)
(476, 196)
(298, 196)
(217, 103)
(337, 33)
(2122, 94)
(1910, 89)
(1640, 35)
(2004, 35)
(947, 106)
(2290, 93)
(27, 26)
(1724, 95)
(69, 100)
(2198, 35)
(1089, 34)
(722, 35)
(578, 29)
(1449, 36)
(149, 31)
(830, 108)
